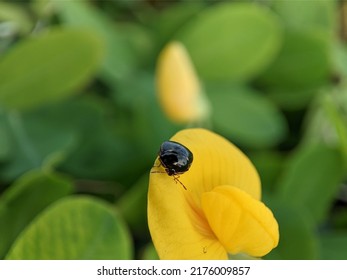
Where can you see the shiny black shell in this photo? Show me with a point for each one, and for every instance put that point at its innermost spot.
(175, 157)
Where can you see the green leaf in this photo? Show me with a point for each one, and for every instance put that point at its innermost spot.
(338, 216)
(102, 152)
(5, 142)
(151, 126)
(35, 136)
(303, 62)
(297, 236)
(307, 15)
(74, 228)
(333, 245)
(169, 20)
(339, 58)
(26, 198)
(246, 116)
(317, 126)
(149, 252)
(232, 41)
(16, 18)
(292, 99)
(133, 207)
(48, 68)
(312, 179)
(269, 165)
(119, 58)
(69, 135)
(335, 108)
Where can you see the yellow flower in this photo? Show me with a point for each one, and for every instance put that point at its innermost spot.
(178, 87)
(219, 213)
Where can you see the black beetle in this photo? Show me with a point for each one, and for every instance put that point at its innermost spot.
(175, 158)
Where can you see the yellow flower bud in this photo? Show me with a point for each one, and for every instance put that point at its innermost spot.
(178, 87)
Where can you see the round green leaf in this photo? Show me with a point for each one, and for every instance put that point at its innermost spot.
(48, 68)
(119, 60)
(74, 228)
(303, 62)
(25, 199)
(308, 15)
(246, 116)
(232, 41)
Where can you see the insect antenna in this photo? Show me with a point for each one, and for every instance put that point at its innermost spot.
(175, 177)
(157, 171)
(177, 180)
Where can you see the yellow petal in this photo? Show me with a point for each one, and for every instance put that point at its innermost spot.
(216, 162)
(179, 89)
(241, 223)
(176, 230)
(176, 220)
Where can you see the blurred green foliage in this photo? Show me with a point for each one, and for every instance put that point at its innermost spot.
(80, 124)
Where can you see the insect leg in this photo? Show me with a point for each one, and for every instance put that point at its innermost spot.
(177, 180)
(156, 171)
(156, 166)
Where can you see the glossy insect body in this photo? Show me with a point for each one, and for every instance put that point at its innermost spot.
(175, 158)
